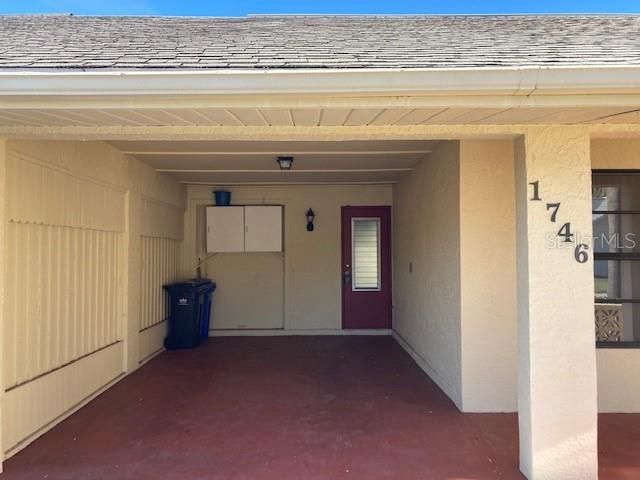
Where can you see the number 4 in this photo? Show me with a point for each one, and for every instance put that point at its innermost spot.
(565, 231)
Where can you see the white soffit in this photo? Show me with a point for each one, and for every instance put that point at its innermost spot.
(345, 97)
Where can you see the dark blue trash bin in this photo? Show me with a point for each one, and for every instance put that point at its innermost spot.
(190, 310)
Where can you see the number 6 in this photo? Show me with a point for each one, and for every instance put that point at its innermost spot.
(580, 253)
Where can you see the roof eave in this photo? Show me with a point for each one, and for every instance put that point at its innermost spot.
(504, 81)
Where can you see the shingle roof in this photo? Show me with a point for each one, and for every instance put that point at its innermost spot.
(73, 42)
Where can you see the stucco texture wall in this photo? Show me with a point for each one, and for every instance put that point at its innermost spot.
(488, 276)
(427, 266)
(71, 306)
(297, 290)
(454, 247)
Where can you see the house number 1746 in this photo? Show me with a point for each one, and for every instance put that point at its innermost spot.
(580, 253)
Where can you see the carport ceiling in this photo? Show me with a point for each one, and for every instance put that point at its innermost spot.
(253, 162)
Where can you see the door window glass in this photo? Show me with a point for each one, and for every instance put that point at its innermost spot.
(366, 253)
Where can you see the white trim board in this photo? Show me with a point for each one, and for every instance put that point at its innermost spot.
(518, 81)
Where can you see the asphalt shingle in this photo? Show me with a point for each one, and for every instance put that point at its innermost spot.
(299, 42)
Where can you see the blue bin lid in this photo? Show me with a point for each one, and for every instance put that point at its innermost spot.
(194, 283)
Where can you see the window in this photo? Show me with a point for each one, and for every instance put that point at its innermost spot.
(366, 253)
(616, 246)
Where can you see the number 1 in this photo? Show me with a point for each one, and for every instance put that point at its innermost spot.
(536, 192)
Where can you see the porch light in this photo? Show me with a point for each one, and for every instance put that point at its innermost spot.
(310, 217)
(285, 163)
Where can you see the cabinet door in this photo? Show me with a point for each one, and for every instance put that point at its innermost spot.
(225, 229)
(263, 229)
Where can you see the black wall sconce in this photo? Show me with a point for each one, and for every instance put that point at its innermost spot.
(310, 217)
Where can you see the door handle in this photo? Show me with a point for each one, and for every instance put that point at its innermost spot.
(347, 278)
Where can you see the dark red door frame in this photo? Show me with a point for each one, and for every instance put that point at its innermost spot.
(367, 309)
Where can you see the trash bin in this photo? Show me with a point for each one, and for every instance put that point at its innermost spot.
(190, 309)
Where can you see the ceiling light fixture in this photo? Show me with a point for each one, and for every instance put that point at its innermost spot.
(285, 162)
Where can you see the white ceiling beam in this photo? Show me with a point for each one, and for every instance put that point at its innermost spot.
(286, 172)
(275, 153)
(412, 132)
(377, 182)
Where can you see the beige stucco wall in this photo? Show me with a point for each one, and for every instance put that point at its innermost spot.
(488, 276)
(456, 312)
(618, 380)
(557, 384)
(73, 222)
(298, 290)
(427, 266)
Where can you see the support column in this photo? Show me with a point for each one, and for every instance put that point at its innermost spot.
(557, 390)
(133, 268)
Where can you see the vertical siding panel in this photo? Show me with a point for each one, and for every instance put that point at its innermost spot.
(156, 289)
(160, 266)
(119, 293)
(150, 278)
(20, 304)
(24, 347)
(158, 286)
(39, 300)
(163, 277)
(143, 284)
(63, 285)
(116, 287)
(73, 287)
(154, 281)
(107, 288)
(93, 291)
(118, 255)
(99, 271)
(48, 300)
(65, 295)
(58, 332)
(148, 300)
(11, 312)
(103, 290)
(82, 294)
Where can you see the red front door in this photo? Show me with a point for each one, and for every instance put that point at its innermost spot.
(366, 267)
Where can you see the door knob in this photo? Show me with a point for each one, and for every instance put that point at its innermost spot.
(347, 278)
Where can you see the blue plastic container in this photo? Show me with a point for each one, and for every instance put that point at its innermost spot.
(223, 198)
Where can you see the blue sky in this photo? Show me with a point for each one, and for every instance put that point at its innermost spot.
(244, 7)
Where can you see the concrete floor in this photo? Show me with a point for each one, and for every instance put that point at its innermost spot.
(290, 408)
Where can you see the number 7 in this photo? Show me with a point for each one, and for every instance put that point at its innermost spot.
(556, 207)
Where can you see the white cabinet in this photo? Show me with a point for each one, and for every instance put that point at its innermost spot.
(263, 229)
(225, 229)
(244, 229)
